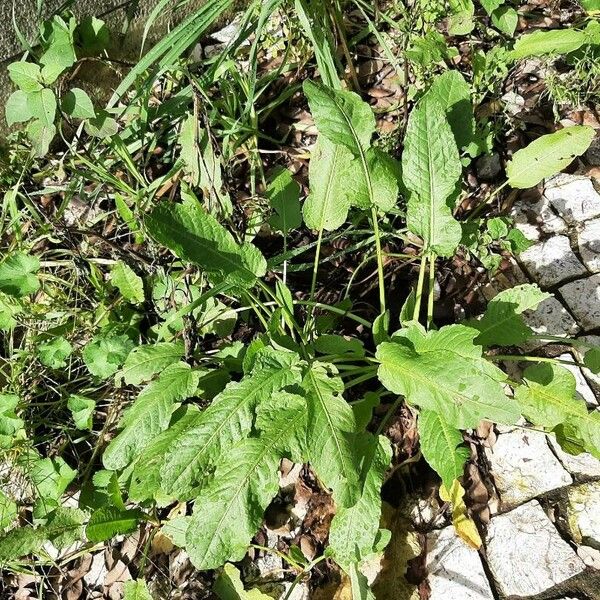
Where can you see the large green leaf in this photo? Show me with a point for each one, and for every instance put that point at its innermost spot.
(341, 116)
(548, 399)
(145, 480)
(196, 236)
(143, 362)
(25, 75)
(441, 445)
(354, 531)
(548, 396)
(331, 435)
(548, 155)
(18, 275)
(431, 170)
(227, 420)
(502, 323)
(283, 194)
(453, 94)
(106, 353)
(136, 590)
(109, 521)
(60, 54)
(444, 371)
(229, 586)
(229, 510)
(556, 41)
(327, 204)
(131, 286)
(150, 414)
(42, 106)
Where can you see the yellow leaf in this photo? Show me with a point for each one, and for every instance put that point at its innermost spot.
(465, 527)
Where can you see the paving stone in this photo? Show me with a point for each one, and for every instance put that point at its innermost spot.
(532, 218)
(552, 262)
(581, 465)
(584, 513)
(523, 467)
(573, 197)
(590, 556)
(525, 553)
(455, 569)
(588, 240)
(550, 318)
(584, 391)
(583, 299)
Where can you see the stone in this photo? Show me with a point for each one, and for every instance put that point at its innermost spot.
(574, 197)
(580, 465)
(590, 556)
(550, 318)
(488, 167)
(592, 154)
(583, 299)
(454, 568)
(525, 553)
(523, 467)
(531, 218)
(588, 240)
(583, 513)
(552, 262)
(583, 390)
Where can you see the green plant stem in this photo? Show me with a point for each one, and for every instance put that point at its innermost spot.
(488, 200)
(313, 285)
(336, 310)
(388, 414)
(518, 358)
(379, 260)
(419, 292)
(430, 290)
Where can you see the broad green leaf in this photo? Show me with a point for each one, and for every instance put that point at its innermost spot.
(127, 282)
(591, 360)
(555, 41)
(359, 584)
(548, 155)
(444, 371)
(18, 275)
(50, 477)
(54, 354)
(502, 323)
(108, 521)
(9, 422)
(8, 510)
(506, 19)
(65, 526)
(60, 53)
(20, 542)
(283, 194)
(25, 75)
(106, 353)
(588, 429)
(101, 126)
(82, 410)
(431, 170)
(145, 480)
(331, 435)
(9, 308)
(229, 510)
(143, 362)
(548, 396)
(491, 5)
(77, 104)
(229, 586)
(453, 94)
(188, 140)
(228, 419)
(460, 20)
(590, 6)
(17, 108)
(442, 446)
(328, 203)
(340, 116)
(42, 106)
(355, 530)
(136, 590)
(194, 235)
(150, 414)
(40, 135)
(93, 35)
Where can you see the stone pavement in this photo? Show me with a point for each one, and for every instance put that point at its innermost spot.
(542, 540)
